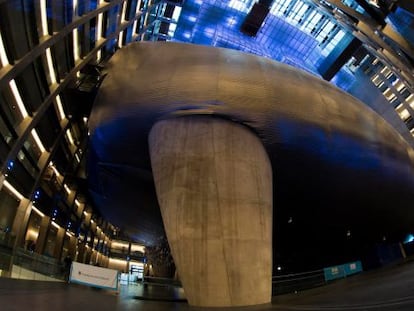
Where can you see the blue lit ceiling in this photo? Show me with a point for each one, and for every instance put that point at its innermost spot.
(294, 32)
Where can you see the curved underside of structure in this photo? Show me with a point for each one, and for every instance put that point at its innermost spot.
(342, 177)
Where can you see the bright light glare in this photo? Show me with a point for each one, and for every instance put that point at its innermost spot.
(13, 190)
(37, 211)
(18, 98)
(123, 12)
(50, 66)
(99, 31)
(121, 34)
(43, 17)
(75, 32)
(3, 56)
(69, 136)
(67, 189)
(75, 45)
(75, 7)
(409, 238)
(38, 141)
(176, 13)
(60, 108)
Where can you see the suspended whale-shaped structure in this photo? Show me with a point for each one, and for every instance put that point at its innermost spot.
(342, 177)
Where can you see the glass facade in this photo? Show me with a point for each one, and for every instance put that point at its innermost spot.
(49, 75)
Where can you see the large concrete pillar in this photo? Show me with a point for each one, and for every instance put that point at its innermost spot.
(214, 186)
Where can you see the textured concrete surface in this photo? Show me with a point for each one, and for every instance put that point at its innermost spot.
(214, 186)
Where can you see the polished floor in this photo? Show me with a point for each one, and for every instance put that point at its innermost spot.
(390, 288)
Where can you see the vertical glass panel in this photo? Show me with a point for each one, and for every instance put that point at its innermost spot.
(85, 6)
(111, 20)
(51, 241)
(32, 148)
(410, 100)
(32, 232)
(301, 12)
(241, 5)
(61, 157)
(403, 112)
(8, 209)
(6, 131)
(353, 4)
(333, 42)
(66, 246)
(293, 11)
(325, 30)
(63, 59)
(9, 108)
(18, 39)
(59, 14)
(4, 60)
(30, 84)
(27, 163)
(48, 128)
(30, 22)
(279, 7)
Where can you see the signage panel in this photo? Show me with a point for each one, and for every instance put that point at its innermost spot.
(93, 276)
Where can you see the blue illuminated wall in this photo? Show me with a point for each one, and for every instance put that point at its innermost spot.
(404, 22)
(217, 23)
(288, 44)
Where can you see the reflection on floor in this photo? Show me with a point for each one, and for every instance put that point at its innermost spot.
(390, 288)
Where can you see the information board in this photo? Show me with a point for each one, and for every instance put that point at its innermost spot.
(93, 276)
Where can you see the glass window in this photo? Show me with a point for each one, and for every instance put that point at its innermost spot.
(8, 208)
(389, 95)
(376, 80)
(27, 163)
(403, 113)
(313, 21)
(279, 6)
(9, 108)
(386, 72)
(238, 5)
(301, 12)
(325, 30)
(410, 100)
(354, 5)
(65, 247)
(6, 133)
(32, 149)
(32, 232)
(51, 241)
(335, 40)
(32, 84)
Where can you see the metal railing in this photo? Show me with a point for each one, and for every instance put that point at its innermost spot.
(295, 282)
(161, 281)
